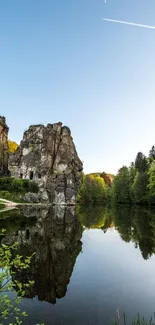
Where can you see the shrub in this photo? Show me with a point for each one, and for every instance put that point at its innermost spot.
(14, 185)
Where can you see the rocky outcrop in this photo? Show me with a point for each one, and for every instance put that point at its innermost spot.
(3, 147)
(55, 240)
(48, 155)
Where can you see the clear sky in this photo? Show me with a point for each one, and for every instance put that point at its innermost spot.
(59, 61)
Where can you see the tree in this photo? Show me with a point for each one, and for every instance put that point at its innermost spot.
(151, 182)
(152, 153)
(93, 189)
(132, 172)
(121, 186)
(141, 162)
(140, 187)
(12, 145)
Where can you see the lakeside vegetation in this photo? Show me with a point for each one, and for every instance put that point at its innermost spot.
(135, 184)
(132, 185)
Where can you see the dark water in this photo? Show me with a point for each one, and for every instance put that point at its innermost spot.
(87, 264)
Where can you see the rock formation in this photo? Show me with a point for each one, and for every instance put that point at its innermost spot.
(3, 147)
(48, 155)
(55, 239)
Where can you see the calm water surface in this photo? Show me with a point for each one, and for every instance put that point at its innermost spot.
(87, 265)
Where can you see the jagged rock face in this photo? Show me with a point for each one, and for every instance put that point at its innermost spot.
(3, 147)
(55, 240)
(48, 155)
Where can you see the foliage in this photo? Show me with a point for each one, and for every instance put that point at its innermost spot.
(9, 261)
(13, 189)
(151, 183)
(121, 186)
(12, 146)
(152, 153)
(136, 184)
(132, 185)
(14, 197)
(140, 187)
(93, 189)
(141, 162)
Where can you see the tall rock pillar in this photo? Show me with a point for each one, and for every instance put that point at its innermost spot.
(3, 147)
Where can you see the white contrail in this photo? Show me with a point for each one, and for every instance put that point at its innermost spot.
(129, 23)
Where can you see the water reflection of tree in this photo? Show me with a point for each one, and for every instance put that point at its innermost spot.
(144, 231)
(136, 224)
(122, 216)
(94, 216)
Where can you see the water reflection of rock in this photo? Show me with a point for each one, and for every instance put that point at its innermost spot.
(55, 239)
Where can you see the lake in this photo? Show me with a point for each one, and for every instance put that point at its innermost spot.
(88, 263)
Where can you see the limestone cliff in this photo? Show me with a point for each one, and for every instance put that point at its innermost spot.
(3, 147)
(55, 240)
(48, 155)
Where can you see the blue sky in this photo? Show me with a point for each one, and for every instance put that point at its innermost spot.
(59, 61)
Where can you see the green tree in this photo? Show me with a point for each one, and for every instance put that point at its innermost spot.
(121, 186)
(141, 162)
(151, 183)
(152, 153)
(93, 189)
(132, 172)
(140, 187)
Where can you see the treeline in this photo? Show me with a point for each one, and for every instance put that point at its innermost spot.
(132, 185)
(136, 183)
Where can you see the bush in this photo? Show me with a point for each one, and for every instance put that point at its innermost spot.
(14, 185)
(15, 197)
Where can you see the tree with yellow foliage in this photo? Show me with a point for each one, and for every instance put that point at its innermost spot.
(93, 189)
(12, 145)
